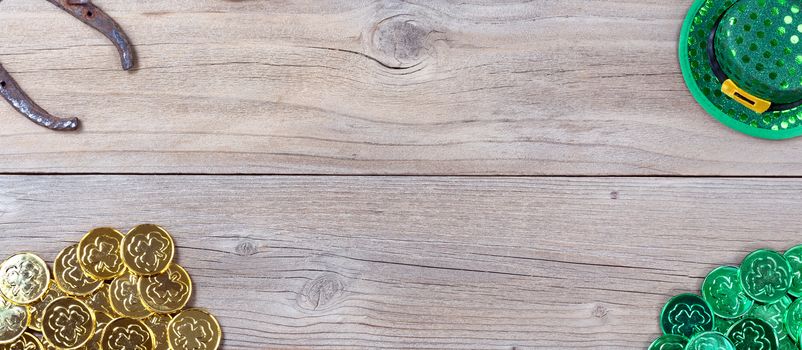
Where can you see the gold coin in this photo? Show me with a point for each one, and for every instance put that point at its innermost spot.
(26, 342)
(14, 319)
(68, 323)
(147, 250)
(158, 324)
(167, 292)
(46, 345)
(70, 277)
(194, 329)
(124, 297)
(102, 320)
(37, 309)
(99, 253)
(99, 300)
(24, 278)
(127, 334)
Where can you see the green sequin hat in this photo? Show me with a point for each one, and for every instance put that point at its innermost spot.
(742, 61)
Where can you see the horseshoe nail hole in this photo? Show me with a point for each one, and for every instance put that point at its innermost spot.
(2, 84)
(89, 13)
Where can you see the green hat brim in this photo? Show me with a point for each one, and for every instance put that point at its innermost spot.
(753, 126)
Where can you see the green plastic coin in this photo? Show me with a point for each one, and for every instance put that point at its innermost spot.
(793, 319)
(722, 290)
(669, 342)
(787, 344)
(710, 341)
(722, 325)
(686, 315)
(752, 334)
(765, 276)
(773, 314)
(794, 257)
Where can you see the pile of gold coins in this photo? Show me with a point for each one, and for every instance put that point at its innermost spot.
(110, 291)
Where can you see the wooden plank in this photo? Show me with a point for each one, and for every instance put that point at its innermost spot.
(370, 87)
(408, 262)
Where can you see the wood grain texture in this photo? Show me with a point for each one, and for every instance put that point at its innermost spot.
(370, 87)
(428, 263)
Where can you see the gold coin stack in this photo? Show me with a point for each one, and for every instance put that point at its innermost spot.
(110, 291)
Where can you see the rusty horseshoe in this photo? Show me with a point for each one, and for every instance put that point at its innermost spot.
(93, 16)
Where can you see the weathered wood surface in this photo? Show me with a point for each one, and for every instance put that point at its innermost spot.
(408, 262)
(416, 87)
(370, 87)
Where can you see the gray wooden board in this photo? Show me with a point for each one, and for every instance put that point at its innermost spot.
(416, 262)
(517, 87)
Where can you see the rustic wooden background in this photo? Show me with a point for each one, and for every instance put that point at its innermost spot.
(395, 174)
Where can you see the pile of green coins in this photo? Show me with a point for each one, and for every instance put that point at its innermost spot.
(755, 306)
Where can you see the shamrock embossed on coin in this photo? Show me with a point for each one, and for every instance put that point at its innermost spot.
(124, 297)
(194, 329)
(99, 253)
(722, 290)
(125, 334)
(686, 315)
(166, 292)
(765, 276)
(24, 278)
(752, 333)
(147, 250)
(68, 323)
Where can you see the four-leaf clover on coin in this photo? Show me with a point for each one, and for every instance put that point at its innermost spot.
(688, 319)
(128, 294)
(193, 334)
(70, 324)
(768, 277)
(171, 288)
(722, 294)
(150, 249)
(103, 254)
(132, 337)
(751, 336)
(20, 278)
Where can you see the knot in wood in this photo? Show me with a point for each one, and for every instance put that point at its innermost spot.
(246, 248)
(599, 311)
(321, 293)
(401, 41)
